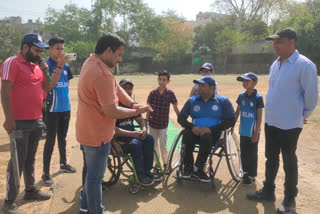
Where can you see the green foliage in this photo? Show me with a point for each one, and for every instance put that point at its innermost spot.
(10, 41)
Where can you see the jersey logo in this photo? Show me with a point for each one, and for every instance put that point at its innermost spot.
(215, 108)
(243, 102)
(65, 72)
(196, 108)
(251, 104)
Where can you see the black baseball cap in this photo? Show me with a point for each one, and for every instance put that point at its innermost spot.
(34, 39)
(125, 81)
(207, 66)
(284, 33)
(248, 76)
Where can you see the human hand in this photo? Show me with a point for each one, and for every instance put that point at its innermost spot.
(43, 65)
(255, 137)
(196, 130)
(62, 60)
(143, 109)
(9, 125)
(204, 131)
(305, 121)
(136, 134)
(143, 134)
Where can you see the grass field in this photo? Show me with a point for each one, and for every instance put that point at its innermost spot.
(193, 199)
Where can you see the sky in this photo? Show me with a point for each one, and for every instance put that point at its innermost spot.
(34, 9)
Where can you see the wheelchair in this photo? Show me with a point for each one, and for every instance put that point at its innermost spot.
(121, 163)
(227, 146)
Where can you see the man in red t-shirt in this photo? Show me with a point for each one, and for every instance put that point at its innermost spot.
(22, 86)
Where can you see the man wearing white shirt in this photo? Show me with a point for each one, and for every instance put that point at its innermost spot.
(291, 98)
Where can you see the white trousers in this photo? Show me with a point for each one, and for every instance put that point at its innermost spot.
(160, 142)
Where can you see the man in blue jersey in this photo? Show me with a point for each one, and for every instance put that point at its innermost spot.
(57, 110)
(291, 98)
(210, 115)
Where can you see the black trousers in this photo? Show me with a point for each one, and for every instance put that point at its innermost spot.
(205, 144)
(249, 156)
(284, 141)
(57, 124)
(28, 134)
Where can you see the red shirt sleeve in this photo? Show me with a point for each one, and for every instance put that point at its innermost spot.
(9, 69)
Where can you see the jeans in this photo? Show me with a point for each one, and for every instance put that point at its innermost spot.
(284, 141)
(96, 162)
(57, 124)
(28, 134)
(142, 153)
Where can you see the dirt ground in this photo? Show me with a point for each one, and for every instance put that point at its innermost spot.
(188, 198)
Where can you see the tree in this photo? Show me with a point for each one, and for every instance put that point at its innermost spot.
(249, 10)
(10, 40)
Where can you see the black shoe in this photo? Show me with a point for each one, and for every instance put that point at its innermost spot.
(248, 180)
(200, 174)
(261, 195)
(153, 176)
(288, 206)
(46, 179)
(145, 181)
(186, 172)
(83, 211)
(36, 195)
(10, 208)
(67, 168)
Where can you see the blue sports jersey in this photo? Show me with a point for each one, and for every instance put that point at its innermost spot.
(248, 112)
(208, 114)
(58, 98)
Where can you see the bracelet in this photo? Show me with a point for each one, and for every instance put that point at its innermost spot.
(133, 104)
(59, 67)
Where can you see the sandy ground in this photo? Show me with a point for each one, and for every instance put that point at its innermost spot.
(189, 197)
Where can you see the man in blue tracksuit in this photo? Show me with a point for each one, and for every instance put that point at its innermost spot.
(210, 115)
(57, 111)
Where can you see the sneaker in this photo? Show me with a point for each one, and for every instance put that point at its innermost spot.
(67, 168)
(46, 179)
(36, 195)
(83, 211)
(261, 195)
(200, 174)
(145, 181)
(153, 176)
(10, 208)
(287, 206)
(248, 180)
(186, 172)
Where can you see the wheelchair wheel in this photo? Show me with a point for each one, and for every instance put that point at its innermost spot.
(174, 154)
(232, 153)
(114, 167)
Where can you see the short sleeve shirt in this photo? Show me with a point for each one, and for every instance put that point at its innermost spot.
(160, 104)
(58, 98)
(249, 106)
(27, 91)
(97, 87)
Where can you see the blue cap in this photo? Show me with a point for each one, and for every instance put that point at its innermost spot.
(206, 79)
(248, 76)
(34, 39)
(207, 66)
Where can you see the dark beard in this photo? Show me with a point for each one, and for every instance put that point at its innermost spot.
(31, 58)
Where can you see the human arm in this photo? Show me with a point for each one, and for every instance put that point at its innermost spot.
(309, 84)
(9, 124)
(119, 132)
(176, 109)
(142, 124)
(255, 136)
(228, 117)
(47, 85)
(237, 113)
